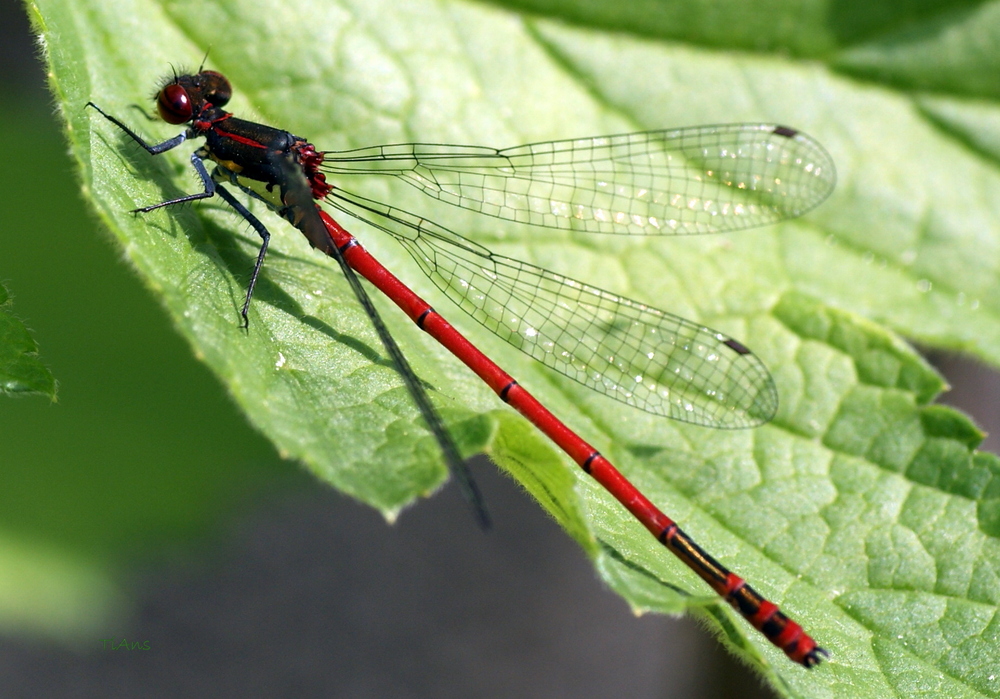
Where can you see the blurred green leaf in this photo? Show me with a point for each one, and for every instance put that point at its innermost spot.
(863, 511)
(21, 371)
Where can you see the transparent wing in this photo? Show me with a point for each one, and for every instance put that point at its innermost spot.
(639, 355)
(704, 179)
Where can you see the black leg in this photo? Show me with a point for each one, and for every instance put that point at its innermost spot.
(156, 149)
(261, 231)
(206, 181)
(152, 149)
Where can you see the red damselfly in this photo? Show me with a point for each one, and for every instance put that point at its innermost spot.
(670, 182)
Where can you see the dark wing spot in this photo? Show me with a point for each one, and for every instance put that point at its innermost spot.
(736, 346)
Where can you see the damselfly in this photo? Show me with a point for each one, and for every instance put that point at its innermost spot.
(671, 182)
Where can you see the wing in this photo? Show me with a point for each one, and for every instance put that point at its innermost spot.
(704, 179)
(639, 355)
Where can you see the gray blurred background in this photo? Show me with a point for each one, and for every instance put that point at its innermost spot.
(252, 580)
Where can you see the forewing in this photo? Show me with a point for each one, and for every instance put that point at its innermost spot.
(703, 179)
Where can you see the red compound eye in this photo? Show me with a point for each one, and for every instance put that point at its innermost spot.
(216, 88)
(174, 104)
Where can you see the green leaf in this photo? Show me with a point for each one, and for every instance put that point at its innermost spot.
(21, 371)
(862, 510)
(142, 451)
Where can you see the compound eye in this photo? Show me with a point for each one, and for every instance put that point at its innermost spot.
(174, 104)
(216, 87)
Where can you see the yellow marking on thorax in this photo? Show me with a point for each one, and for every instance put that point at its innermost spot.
(228, 164)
